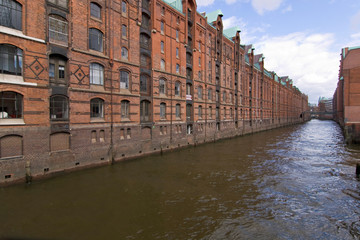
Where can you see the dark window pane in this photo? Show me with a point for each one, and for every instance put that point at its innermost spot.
(95, 40)
(10, 14)
(95, 10)
(11, 105)
(10, 60)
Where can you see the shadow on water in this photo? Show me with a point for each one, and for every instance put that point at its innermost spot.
(289, 183)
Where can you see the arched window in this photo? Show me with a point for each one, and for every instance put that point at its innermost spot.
(11, 105)
(11, 146)
(124, 79)
(188, 112)
(96, 74)
(178, 110)
(124, 53)
(144, 110)
(11, 60)
(177, 89)
(162, 86)
(163, 110)
(95, 39)
(59, 108)
(58, 30)
(96, 108)
(57, 70)
(125, 109)
(200, 92)
(177, 68)
(200, 111)
(162, 64)
(124, 31)
(162, 46)
(123, 7)
(95, 10)
(11, 14)
(209, 94)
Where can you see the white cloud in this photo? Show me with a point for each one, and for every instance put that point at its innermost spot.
(305, 58)
(234, 1)
(261, 6)
(204, 3)
(247, 35)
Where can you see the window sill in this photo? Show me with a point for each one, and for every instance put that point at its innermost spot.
(97, 120)
(12, 121)
(12, 158)
(13, 79)
(18, 33)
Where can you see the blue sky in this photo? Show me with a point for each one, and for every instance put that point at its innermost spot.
(301, 39)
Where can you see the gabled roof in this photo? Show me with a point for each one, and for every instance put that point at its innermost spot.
(258, 58)
(177, 4)
(231, 32)
(248, 48)
(212, 16)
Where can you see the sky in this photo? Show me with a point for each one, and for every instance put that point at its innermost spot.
(301, 39)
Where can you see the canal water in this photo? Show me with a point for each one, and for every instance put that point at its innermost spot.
(291, 183)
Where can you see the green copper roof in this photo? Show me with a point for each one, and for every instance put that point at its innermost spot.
(177, 4)
(257, 66)
(231, 32)
(353, 48)
(276, 78)
(267, 73)
(247, 59)
(212, 16)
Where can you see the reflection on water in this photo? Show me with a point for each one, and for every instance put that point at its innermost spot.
(290, 183)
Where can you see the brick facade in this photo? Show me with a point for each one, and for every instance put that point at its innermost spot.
(346, 99)
(87, 83)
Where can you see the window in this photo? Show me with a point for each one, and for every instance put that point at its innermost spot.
(144, 83)
(11, 60)
(125, 109)
(11, 105)
(97, 108)
(178, 20)
(57, 69)
(144, 41)
(210, 112)
(230, 97)
(199, 46)
(124, 80)
(95, 40)
(224, 96)
(58, 30)
(124, 31)
(162, 64)
(209, 94)
(11, 14)
(162, 110)
(177, 68)
(162, 46)
(224, 112)
(200, 92)
(162, 27)
(95, 10)
(200, 111)
(199, 61)
(123, 7)
(177, 52)
(124, 53)
(60, 3)
(177, 110)
(11, 146)
(144, 110)
(59, 108)
(162, 11)
(177, 35)
(217, 96)
(162, 86)
(96, 74)
(199, 75)
(177, 89)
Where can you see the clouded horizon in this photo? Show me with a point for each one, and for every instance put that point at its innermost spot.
(301, 39)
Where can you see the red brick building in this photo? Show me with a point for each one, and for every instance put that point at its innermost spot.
(346, 99)
(88, 82)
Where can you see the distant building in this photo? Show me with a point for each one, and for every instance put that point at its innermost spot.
(346, 99)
